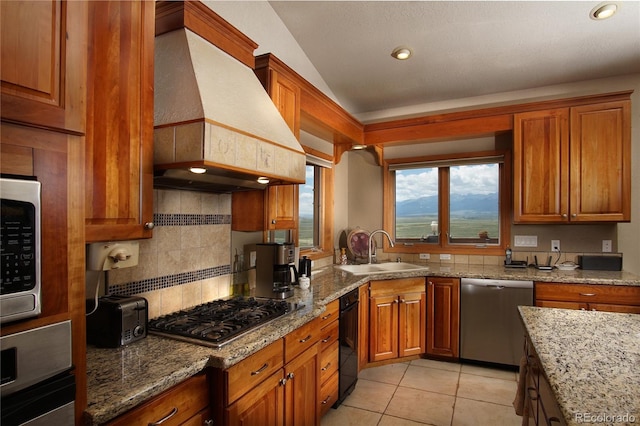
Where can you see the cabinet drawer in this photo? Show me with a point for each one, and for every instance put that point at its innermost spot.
(176, 405)
(301, 339)
(623, 295)
(245, 375)
(331, 314)
(329, 335)
(329, 361)
(328, 394)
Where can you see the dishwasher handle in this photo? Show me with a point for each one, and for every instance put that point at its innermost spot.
(498, 284)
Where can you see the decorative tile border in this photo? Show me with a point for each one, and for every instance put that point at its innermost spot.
(150, 284)
(182, 219)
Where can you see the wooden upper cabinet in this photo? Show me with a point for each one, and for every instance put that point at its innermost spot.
(44, 71)
(286, 96)
(573, 164)
(282, 207)
(541, 166)
(119, 153)
(601, 162)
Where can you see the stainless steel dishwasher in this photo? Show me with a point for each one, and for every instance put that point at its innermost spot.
(490, 326)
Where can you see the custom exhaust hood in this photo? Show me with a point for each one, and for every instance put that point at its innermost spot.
(211, 112)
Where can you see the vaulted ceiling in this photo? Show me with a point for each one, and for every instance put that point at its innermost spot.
(460, 49)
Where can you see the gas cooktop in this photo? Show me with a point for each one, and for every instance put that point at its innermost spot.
(221, 321)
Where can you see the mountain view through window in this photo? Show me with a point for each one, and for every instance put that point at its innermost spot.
(473, 208)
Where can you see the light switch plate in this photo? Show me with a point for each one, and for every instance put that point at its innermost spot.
(445, 257)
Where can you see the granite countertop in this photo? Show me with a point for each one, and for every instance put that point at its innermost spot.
(122, 378)
(591, 360)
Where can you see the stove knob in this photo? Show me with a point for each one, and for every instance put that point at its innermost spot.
(138, 331)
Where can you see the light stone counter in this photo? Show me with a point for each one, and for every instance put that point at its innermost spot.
(591, 360)
(120, 379)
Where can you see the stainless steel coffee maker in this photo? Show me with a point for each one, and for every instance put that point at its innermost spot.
(276, 271)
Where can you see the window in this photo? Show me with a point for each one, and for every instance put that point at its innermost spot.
(308, 208)
(455, 205)
(315, 209)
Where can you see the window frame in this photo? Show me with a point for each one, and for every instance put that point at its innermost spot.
(443, 245)
(324, 197)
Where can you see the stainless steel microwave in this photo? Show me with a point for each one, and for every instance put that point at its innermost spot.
(20, 286)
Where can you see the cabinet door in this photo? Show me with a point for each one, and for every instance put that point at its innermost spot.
(601, 162)
(286, 96)
(282, 207)
(302, 389)
(119, 154)
(443, 316)
(44, 71)
(263, 405)
(383, 328)
(411, 324)
(540, 166)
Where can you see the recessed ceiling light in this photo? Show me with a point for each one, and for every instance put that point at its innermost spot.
(401, 53)
(603, 11)
(198, 170)
(263, 180)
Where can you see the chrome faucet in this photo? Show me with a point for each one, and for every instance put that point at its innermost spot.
(378, 231)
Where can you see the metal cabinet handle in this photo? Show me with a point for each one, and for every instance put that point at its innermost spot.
(328, 339)
(396, 301)
(282, 382)
(149, 225)
(260, 370)
(564, 215)
(588, 294)
(326, 317)
(290, 376)
(326, 400)
(164, 419)
(326, 367)
(532, 397)
(305, 339)
(574, 215)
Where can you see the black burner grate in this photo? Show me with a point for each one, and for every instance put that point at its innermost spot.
(220, 321)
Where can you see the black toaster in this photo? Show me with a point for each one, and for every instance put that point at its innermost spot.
(118, 321)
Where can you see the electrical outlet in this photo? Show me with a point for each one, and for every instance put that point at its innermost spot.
(425, 256)
(555, 245)
(606, 246)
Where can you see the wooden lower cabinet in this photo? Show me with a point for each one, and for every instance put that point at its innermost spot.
(302, 388)
(592, 297)
(186, 403)
(329, 352)
(279, 385)
(543, 408)
(262, 405)
(397, 318)
(443, 316)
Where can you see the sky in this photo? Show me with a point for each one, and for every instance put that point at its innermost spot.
(417, 183)
(306, 195)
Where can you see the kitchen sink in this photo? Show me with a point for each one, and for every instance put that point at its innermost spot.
(381, 268)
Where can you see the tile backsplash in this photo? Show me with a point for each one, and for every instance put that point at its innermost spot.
(187, 262)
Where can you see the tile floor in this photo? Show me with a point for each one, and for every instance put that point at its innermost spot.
(427, 392)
